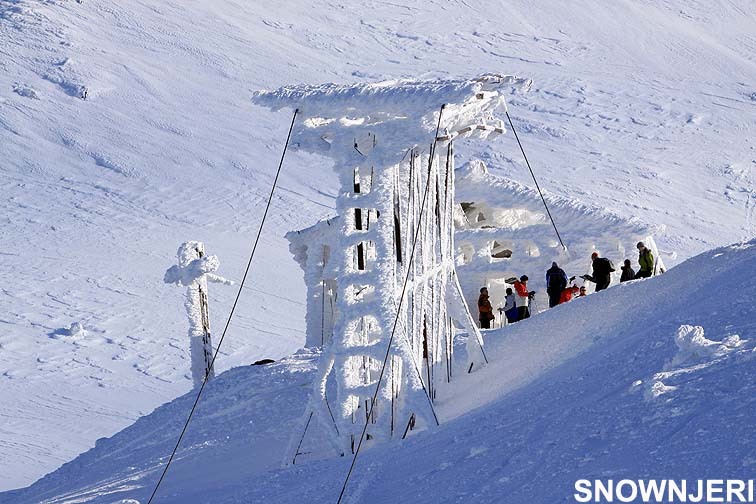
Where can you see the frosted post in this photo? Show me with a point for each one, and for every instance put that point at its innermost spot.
(195, 270)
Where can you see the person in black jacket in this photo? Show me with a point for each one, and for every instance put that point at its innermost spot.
(627, 272)
(602, 272)
(556, 282)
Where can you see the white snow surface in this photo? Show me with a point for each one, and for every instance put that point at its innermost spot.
(553, 406)
(126, 128)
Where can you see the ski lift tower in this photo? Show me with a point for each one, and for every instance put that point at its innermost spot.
(392, 145)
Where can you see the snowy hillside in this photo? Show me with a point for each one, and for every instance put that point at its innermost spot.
(634, 392)
(126, 128)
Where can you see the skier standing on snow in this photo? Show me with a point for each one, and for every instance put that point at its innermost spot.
(602, 272)
(646, 261)
(627, 272)
(485, 312)
(523, 297)
(556, 282)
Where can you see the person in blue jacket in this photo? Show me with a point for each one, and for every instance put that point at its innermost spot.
(556, 282)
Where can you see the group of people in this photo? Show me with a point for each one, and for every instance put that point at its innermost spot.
(559, 287)
(516, 303)
(603, 268)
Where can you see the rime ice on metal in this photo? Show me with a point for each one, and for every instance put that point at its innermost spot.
(380, 138)
(194, 270)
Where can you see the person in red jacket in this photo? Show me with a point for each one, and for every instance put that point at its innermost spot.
(568, 293)
(523, 297)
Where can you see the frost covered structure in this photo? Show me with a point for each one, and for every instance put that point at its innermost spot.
(396, 184)
(392, 144)
(194, 270)
(503, 231)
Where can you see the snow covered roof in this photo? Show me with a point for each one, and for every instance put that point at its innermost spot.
(575, 219)
(396, 113)
(396, 96)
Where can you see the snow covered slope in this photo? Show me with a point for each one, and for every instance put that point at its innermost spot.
(626, 388)
(645, 108)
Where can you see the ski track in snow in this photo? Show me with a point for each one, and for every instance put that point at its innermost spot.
(100, 191)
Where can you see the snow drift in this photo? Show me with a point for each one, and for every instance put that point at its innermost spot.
(565, 397)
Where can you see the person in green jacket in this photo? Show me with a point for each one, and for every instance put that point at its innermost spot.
(646, 261)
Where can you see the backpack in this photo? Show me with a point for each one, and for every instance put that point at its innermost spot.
(605, 266)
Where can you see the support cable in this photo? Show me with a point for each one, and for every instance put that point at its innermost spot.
(230, 315)
(534, 180)
(396, 319)
(299, 446)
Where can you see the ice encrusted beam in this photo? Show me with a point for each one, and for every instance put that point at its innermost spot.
(399, 113)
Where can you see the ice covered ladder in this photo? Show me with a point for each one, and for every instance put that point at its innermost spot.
(380, 137)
